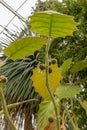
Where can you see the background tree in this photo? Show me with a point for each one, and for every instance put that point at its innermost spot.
(75, 46)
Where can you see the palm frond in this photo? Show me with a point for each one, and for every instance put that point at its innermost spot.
(19, 86)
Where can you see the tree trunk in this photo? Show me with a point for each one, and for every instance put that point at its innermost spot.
(7, 126)
(28, 121)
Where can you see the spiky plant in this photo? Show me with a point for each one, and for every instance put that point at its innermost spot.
(19, 86)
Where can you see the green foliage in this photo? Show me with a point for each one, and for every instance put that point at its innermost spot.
(53, 24)
(24, 46)
(19, 86)
(67, 91)
(82, 80)
(78, 66)
(66, 66)
(3, 80)
(46, 110)
(84, 105)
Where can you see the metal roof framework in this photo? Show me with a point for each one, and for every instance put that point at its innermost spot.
(15, 15)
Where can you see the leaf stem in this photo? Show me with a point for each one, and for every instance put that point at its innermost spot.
(70, 118)
(17, 104)
(47, 83)
(6, 110)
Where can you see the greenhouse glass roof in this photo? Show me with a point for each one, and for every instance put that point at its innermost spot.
(13, 17)
(13, 13)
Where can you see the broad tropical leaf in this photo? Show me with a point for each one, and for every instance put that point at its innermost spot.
(66, 66)
(45, 111)
(24, 47)
(78, 66)
(52, 23)
(67, 91)
(39, 80)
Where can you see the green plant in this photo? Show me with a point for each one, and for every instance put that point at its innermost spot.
(50, 25)
(75, 47)
(3, 81)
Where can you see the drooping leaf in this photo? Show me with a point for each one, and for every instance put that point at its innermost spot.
(24, 47)
(78, 66)
(84, 105)
(66, 66)
(39, 80)
(45, 111)
(67, 91)
(52, 23)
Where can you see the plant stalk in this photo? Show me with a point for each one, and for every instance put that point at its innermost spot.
(70, 118)
(17, 104)
(6, 113)
(47, 83)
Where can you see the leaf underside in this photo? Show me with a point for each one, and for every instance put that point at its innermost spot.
(24, 47)
(53, 24)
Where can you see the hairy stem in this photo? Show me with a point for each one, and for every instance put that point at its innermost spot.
(6, 110)
(47, 83)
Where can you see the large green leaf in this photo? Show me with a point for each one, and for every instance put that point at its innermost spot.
(66, 66)
(67, 91)
(52, 23)
(24, 46)
(45, 111)
(78, 66)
